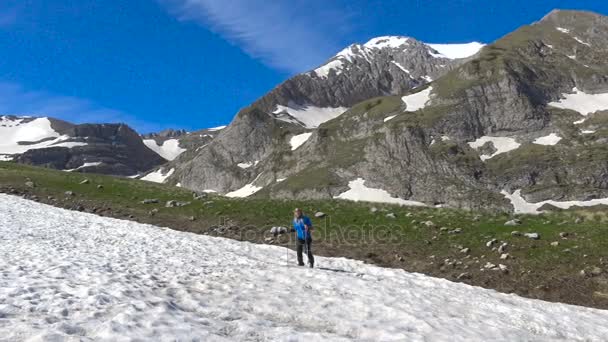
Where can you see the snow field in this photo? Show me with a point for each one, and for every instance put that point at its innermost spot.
(582, 102)
(548, 140)
(501, 144)
(69, 276)
(455, 51)
(169, 149)
(359, 192)
(521, 206)
(414, 102)
(14, 131)
(308, 116)
(298, 140)
(158, 176)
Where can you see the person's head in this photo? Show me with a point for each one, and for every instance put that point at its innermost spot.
(297, 213)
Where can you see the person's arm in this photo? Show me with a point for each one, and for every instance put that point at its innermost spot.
(308, 225)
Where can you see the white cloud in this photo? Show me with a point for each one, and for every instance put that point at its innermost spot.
(15, 99)
(291, 35)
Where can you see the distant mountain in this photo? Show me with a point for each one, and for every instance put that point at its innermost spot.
(382, 66)
(519, 124)
(101, 148)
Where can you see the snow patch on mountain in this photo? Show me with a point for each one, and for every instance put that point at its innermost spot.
(587, 131)
(245, 191)
(308, 116)
(69, 275)
(389, 118)
(18, 135)
(550, 140)
(418, 100)
(215, 129)
(297, 140)
(401, 67)
(246, 165)
(581, 41)
(84, 166)
(521, 206)
(582, 102)
(323, 71)
(455, 51)
(393, 42)
(158, 176)
(501, 144)
(169, 149)
(359, 192)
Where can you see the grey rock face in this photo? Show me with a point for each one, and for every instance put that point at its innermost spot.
(425, 155)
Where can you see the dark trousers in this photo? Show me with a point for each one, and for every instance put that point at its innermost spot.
(307, 245)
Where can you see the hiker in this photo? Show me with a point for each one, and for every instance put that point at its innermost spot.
(303, 227)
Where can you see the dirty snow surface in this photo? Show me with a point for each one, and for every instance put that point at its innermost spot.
(169, 149)
(71, 276)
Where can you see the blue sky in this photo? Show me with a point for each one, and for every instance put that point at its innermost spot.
(192, 64)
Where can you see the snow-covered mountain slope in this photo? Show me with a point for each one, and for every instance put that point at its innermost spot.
(169, 149)
(68, 275)
(21, 134)
(101, 148)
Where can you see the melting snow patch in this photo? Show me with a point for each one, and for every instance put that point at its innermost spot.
(455, 51)
(418, 100)
(298, 140)
(158, 176)
(169, 149)
(279, 180)
(106, 279)
(215, 129)
(359, 192)
(5, 157)
(521, 206)
(588, 131)
(245, 191)
(563, 30)
(582, 42)
(582, 102)
(550, 139)
(85, 165)
(247, 165)
(501, 144)
(573, 57)
(401, 67)
(308, 116)
(389, 118)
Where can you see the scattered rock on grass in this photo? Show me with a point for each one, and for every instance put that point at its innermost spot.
(100, 186)
(85, 181)
(513, 222)
(533, 236)
(505, 256)
(503, 247)
(373, 210)
(429, 224)
(150, 201)
(278, 230)
(555, 243)
(564, 235)
(70, 193)
(320, 214)
(391, 215)
(516, 233)
(463, 276)
(455, 231)
(465, 251)
(491, 243)
(30, 184)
